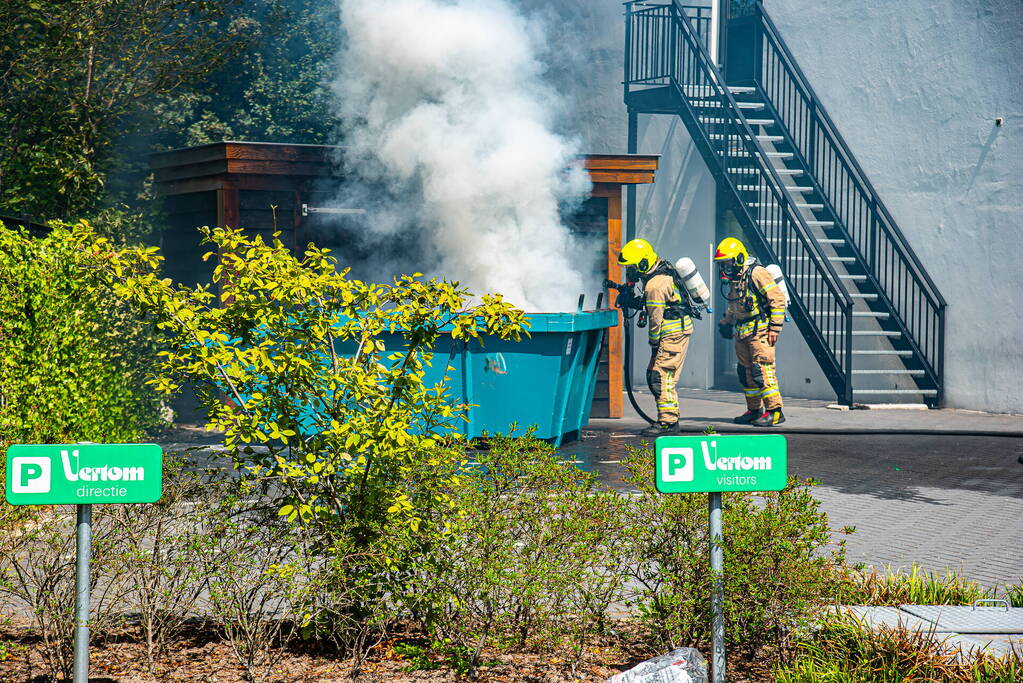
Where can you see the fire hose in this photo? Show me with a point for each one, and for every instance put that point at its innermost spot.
(627, 300)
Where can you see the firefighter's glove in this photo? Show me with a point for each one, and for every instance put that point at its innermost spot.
(725, 330)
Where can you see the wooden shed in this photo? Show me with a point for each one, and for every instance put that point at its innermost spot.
(264, 187)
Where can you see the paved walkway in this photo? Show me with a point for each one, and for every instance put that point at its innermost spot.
(947, 495)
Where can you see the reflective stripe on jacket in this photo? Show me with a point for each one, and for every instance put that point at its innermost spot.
(744, 307)
(661, 293)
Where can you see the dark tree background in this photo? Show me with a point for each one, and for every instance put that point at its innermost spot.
(88, 88)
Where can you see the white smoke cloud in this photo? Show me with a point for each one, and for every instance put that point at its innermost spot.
(444, 106)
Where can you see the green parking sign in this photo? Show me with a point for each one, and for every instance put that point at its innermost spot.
(52, 474)
(714, 463)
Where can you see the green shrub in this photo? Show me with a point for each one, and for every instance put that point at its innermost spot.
(1013, 592)
(846, 651)
(917, 587)
(351, 441)
(524, 557)
(74, 358)
(779, 559)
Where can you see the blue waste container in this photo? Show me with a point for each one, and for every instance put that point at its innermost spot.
(545, 380)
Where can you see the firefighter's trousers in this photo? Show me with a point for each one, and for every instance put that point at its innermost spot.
(666, 361)
(757, 373)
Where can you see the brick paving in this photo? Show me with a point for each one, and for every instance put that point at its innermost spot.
(942, 501)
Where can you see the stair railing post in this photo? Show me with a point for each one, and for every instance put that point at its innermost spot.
(628, 51)
(672, 47)
(630, 189)
(939, 399)
(847, 311)
(785, 232)
(872, 249)
(758, 46)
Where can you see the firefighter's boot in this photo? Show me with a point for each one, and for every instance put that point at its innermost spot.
(748, 417)
(661, 429)
(770, 418)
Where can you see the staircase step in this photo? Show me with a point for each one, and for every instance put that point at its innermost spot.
(871, 352)
(852, 295)
(856, 314)
(743, 154)
(876, 333)
(693, 90)
(762, 138)
(710, 104)
(779, 171)
(914, 373)
(820, 240)
(804, 276)
(790, 188)
(897, 392)
(811, 207)
(812, 224)
(832, 259)
(728, 119)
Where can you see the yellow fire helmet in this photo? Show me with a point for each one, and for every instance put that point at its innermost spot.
(731, 248)
(638, 253)
(731, 254)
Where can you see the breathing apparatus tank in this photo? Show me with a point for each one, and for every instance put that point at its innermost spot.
(692, 281)
(779, 278)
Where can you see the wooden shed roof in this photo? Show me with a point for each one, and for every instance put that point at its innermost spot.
(272, 166)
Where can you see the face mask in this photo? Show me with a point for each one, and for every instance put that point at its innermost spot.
(632, 274)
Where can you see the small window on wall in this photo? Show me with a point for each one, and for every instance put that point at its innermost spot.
(588, 223)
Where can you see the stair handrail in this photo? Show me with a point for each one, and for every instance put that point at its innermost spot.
(860, 177)
(750, 138)
(835, 340)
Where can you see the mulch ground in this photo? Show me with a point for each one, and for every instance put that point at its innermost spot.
(202, 655)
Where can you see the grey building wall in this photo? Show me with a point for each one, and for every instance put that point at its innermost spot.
(676, 215)
(915, 87)
(585, 57)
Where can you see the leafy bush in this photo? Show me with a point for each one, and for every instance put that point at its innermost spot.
(37, 572)
(73, 357)
(524, 556)
(779, 559)
(349, 430)
(154, 545)
(252, 567)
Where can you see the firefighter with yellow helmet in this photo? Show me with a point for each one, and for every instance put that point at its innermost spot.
(669, 328)
(755, 314)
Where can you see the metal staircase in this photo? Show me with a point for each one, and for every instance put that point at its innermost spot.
(869, 312)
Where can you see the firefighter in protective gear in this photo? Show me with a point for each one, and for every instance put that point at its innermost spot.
(755, 314)
(669, 327)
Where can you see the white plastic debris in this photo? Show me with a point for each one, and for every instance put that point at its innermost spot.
(684, 665)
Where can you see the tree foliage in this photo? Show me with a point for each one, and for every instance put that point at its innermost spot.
(89, 88)
(275, 89)
(73, 72)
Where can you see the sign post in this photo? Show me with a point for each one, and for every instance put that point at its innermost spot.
(83, 474)
(714, 464)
